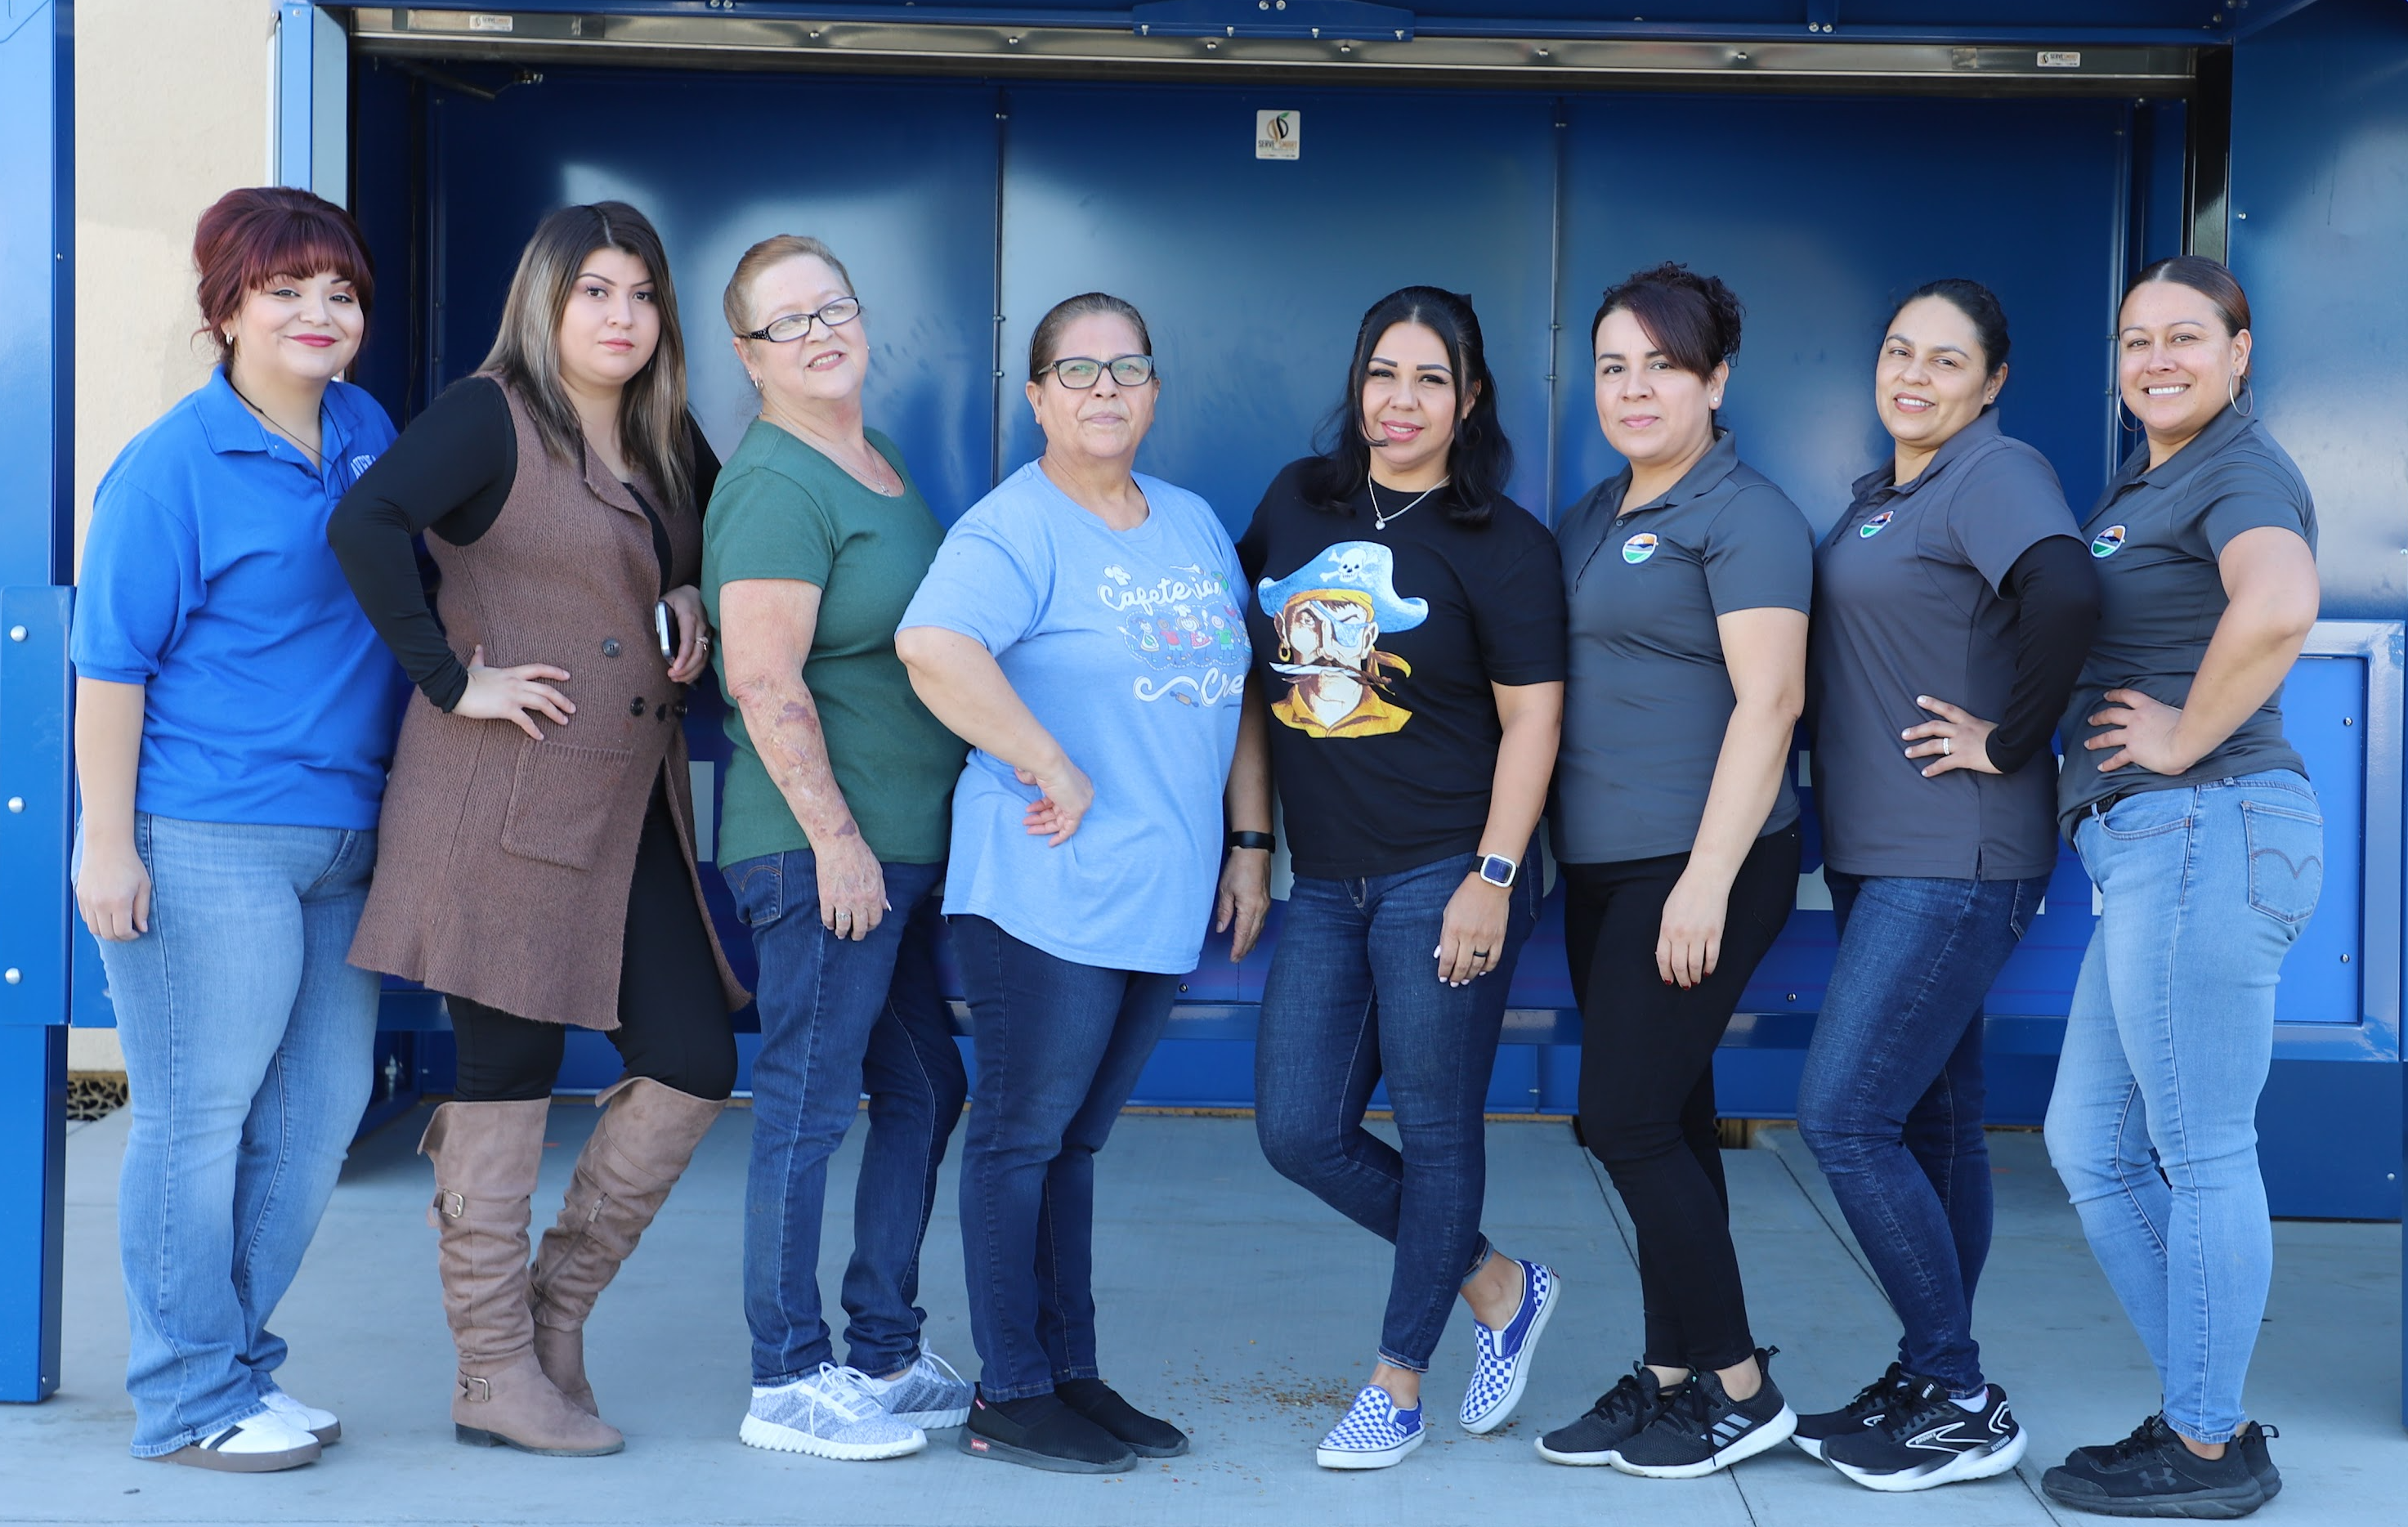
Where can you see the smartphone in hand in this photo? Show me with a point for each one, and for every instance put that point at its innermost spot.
(665, 627)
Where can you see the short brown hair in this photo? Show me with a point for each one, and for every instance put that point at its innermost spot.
(248, 237)
(1692, 319)
(736, 301)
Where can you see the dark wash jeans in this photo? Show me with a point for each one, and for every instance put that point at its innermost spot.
(1352, 997)
(1647, 1082)
(1059, 1048)
(1891, 1101)
(840, 1017)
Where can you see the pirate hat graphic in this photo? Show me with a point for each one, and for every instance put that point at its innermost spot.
(1356, 572)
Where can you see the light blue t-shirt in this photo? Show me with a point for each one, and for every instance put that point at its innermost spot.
(1130, 648)
(207, 579)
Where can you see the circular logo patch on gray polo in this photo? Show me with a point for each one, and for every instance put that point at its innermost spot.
(1639, 547)
(2108, 542)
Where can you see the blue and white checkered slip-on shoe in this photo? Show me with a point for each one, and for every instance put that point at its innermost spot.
(1504, 1366)
(829, 1414)
(928, 1394)
(1374, 1434)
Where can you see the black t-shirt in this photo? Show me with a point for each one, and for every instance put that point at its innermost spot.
(1375, 649)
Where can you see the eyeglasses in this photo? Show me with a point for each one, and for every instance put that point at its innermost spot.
(794, 327)
(1079, 372)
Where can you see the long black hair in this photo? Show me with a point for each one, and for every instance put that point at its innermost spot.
(1481, 459)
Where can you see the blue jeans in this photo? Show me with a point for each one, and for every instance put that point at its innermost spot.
(1059, 1047)
(2154, 1123)
(1891, 1100)
(1353, 996)
(249, 1051)
(840, 1017)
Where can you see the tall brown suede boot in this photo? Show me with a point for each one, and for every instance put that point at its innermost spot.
(485, 1157)
(635, 1156)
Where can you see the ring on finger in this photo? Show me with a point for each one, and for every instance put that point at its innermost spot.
(1947, 746)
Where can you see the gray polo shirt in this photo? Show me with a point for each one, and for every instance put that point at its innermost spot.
(2157, 534)
(1647, 698)
(1907, 603)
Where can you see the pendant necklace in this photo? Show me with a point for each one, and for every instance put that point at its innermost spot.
(317, 457)
(1380, 519)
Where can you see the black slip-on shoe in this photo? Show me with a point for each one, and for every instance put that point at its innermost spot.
(1148, 1436)
(1620, 1414)
(2152, 1474)
(1864, 1411)
(1043, 1432)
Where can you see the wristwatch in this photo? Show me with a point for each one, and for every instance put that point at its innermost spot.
(1252, 840)
(1498, 871)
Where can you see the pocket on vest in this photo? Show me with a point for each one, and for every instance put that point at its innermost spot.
(562, 800)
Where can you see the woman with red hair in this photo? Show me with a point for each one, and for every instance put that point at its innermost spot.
(235, 716)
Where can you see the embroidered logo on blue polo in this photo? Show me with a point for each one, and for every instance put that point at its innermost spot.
(360, 463)
(1639, 547)
(1873, 526)
(2108, 542)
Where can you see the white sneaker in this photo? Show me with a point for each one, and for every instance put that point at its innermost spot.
(927, 1394)
(320, 1424)
(263, 1445)
(829, 1414)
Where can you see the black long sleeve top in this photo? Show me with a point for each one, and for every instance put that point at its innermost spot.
(2056, 594)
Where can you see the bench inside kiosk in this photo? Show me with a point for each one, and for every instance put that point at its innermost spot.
(1252, 173)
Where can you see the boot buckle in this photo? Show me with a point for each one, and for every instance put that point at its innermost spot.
(475, 1392)
(454, 1204)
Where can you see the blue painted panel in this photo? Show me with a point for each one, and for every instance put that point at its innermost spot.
(1253, 274)
(719, 162)
(2320, 214)
(1819, 214)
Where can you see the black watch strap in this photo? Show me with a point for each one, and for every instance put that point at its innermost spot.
(1263, 840)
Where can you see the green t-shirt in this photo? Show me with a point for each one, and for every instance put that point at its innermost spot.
(782, 509)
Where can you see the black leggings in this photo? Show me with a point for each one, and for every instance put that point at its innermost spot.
(673, 1023)
(1647, 1083)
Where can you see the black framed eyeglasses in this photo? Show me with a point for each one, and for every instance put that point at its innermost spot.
(794, 327)
(1080, 372)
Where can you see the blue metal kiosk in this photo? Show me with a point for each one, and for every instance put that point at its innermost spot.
(975, 161)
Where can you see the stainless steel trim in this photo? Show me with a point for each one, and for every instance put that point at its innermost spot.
(726, 41)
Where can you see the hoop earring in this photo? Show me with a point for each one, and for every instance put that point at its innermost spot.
(1285, 655)
(2132, 428)
(2232, 388)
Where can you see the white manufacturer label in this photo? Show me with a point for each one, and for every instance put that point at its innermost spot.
(2060, 60)
(1279, 134)
(491, 23)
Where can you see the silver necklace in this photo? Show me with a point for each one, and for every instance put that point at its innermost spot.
(1380, 519)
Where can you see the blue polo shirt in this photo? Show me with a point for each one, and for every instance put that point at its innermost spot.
(207, 580)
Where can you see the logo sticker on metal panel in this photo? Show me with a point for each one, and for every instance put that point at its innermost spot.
(1639, 547)
(1873, 526)
(2107, 542)
(1279, 134)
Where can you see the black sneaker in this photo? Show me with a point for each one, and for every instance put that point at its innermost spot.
(2251, 1439)
(1703, 1429)
(2152, 1474)
(1043, 1432)
(1926, 1438)
(1863, 1411)
(1620, 1414)
(1146, 1436)
(2252, 1443)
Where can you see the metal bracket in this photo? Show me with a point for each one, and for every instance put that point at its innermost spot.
(37, 805)
(1355, 19)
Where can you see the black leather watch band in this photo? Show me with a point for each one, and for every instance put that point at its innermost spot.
(1263, 840)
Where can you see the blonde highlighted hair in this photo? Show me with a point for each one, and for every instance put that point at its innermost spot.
(654, 430)
(736, 301)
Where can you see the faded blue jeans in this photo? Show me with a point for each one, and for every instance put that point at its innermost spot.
(2154, 1123)
(249, 1054)
(1354, 998)
(840, 1017)
(1891, 1100)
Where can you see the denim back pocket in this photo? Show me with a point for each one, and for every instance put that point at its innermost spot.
(2287, 860)
(759, 888)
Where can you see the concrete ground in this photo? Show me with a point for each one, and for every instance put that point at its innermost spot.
(1232, 1302)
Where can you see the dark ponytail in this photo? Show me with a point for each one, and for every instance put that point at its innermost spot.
(1981, 307)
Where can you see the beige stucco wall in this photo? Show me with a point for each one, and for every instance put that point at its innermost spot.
(173, 105)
